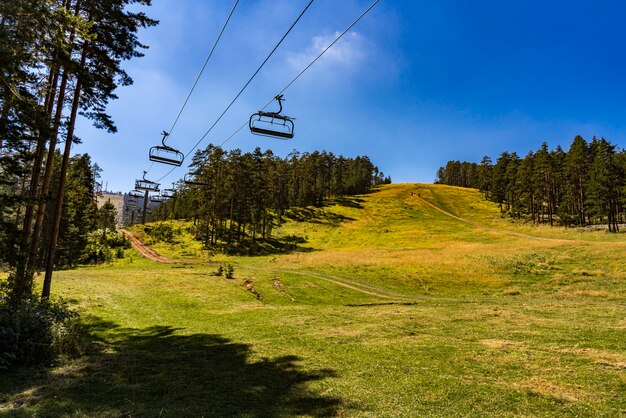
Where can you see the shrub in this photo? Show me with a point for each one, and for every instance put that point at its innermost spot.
(104, 248)
(161, 232)
(230, 271)
(33, 332)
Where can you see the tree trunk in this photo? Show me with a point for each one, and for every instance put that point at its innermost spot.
(47, 177)
(25, 266)
(30, 236)
(6, 106)
(58, 207)
(41, 209)
(230, 230)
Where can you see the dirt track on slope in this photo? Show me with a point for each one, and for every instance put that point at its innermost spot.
(355, 286)
(144, 250)
(150, 254)
(480, 226)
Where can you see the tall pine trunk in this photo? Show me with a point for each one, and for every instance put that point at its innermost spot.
(4, 115)
(58, 207)
(47, 177)
(24, 272)
(35, 238)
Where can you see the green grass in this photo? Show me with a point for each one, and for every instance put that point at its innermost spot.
(395, 309)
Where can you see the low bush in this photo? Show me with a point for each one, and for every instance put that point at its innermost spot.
(102, 248)
(229, 271)
(220, 271)
(33, 332)
(161, 232)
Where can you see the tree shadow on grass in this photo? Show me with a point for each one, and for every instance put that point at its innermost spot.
(159, 372)
(347, 201)
(316, 215)
(377, 304)
(268, 246)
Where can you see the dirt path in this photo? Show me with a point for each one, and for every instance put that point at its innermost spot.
(150, 254)
(353, 285)
(144, 250)
(347, 286)
(487, 228)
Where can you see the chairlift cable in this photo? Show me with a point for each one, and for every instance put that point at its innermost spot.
(250, 80)
(341, 35)
(164, 153)
(325, 49)
(244, 87)
(307, 67)
(203, 67)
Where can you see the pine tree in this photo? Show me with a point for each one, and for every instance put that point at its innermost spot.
(583, 185)
(606, 182)
(511, 191)
(577, 177)
(108, 38)
(498, 185)
(484, 176)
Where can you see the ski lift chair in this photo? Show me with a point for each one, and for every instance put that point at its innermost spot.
(165, 154)
(146, 185)
(272, 124)
(169, 193)
(191, 179)
(136, 193)
(157, 199)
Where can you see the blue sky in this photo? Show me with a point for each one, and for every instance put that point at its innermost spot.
(415, 84)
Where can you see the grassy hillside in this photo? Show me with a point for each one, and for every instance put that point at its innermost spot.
(394, 305)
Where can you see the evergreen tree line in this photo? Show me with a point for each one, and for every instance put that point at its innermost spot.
(243, 195)
(84, 227)
(58, 59)
(86, 233)
(583, 186)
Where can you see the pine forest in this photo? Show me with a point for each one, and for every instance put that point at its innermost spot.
(582, 186)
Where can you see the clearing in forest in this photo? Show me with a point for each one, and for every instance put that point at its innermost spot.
(415, 299)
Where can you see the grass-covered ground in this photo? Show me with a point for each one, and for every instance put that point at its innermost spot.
(390, 308)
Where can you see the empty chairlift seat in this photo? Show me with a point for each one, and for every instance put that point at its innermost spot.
(157, 199)
(165, 154)
(193, 179)
(146, 185)
(272, 123)
(169, 193)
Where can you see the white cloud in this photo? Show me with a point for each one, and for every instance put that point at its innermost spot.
(348, 52)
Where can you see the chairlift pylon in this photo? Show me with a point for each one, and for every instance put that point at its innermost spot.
(147, 185)
(272, 123)
(165, 154)
(191, 179)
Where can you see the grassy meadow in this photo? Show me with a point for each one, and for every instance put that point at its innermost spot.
(393, 305)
